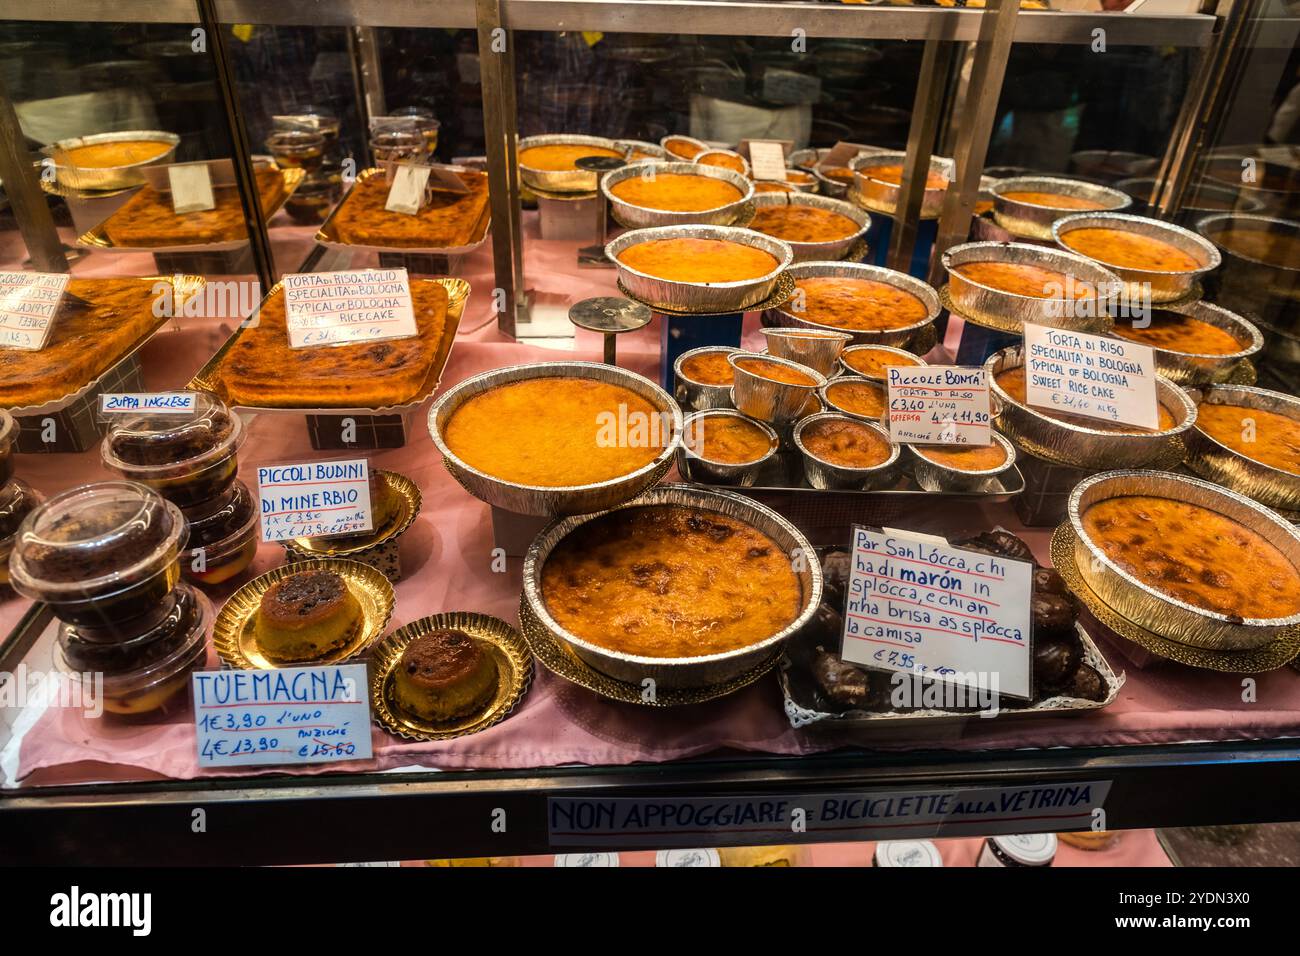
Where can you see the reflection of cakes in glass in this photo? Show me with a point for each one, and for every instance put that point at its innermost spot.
(306, 616)
(444, 675)
(296, 148)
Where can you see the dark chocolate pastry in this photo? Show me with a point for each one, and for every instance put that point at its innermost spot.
(16, 505)
(843, 684)
(1048, 581)
(826, 625)
(222, 517)
(134, 648)
(1087, 684)
(836, 566)
(1002, 543)
(1053, 615)
(118, 543)
(151, 445)
(1055, 662)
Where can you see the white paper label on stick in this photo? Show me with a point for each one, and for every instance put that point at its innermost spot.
(938, 405)
(28, 303)
(1090, 375)
(340, 308)
(314, 499)
(406, 194)
(191, 185)
(767, 160)
(919, 608)
(293, 715)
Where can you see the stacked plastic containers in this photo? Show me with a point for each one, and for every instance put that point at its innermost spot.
(191, 460)
(17, 499)
(107, 559)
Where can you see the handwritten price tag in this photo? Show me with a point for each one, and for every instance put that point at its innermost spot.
(1091, 375)
(294, 715)
(314, 499)
(341, 308)
(767, 160)
(939, 405)
(28, 304)
(163, 403)
(919, 606)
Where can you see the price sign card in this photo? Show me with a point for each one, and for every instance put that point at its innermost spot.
(408, 190)
(938, 405)
(163, 403)
(767, 159)
(314, 499)
(293, 715)
(919, 606)
(191, 188)
(28, 303)
(1090, 375)
(341, 308)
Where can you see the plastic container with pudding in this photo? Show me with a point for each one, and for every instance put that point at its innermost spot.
(187, 458)
(17, 500)
(8, 437)
(1029, 849)
(148, 671)
(100, 554)
(223, 536)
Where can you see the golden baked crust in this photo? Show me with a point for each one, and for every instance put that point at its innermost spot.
(1256, 433)
(698, 260)
(83, 344)
(146, 219)
(864, 304)
(260, 370)
(450, 220)
(1180, 333)
(803, 223)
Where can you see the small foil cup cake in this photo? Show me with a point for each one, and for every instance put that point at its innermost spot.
(856, 397)
(961, 468)
(702, 378)
(819, 351)
(841, 452)
(722, 446)
(395, 503)
(871, 361)
(772, 389)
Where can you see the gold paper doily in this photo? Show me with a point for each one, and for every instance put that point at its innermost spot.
(1243, 373)
(559, 659)
(780, 295)
(409, 498)
(233, 633)
(1257, 660)
(499, 639)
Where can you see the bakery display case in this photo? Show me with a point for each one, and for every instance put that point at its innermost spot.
(638, 524)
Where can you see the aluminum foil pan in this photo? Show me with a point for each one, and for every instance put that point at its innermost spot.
(801, 180)
(1169, 617)
(825, 476)
(1079, 445)
(1009, 310)
(109, 177)
(835, 188)
(1138, 283)
(883, 197)
(898, 338)
(742, 474)
(818, 350)
(695, 396)
(641, 217)
(1222, 465)
(1029, 221)
(933, 476)
(561, 180)
(1245, 273)
(1187, 368)
(715, 151)
(654, 152)
(680, 672)
(819, 251)
(1203, 198)
(700, 145)
(545, 501)
(707, 298)
(768, 400)
(910, 359)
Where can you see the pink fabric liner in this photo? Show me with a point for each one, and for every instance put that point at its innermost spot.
(446, 560)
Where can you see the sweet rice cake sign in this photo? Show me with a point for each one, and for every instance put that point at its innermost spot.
(917, 605)
(1091, 375)
(28, 304)
(340, 308)
(314, 499)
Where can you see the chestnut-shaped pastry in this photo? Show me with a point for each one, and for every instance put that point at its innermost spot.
(843, 684)
(1052, 614)
(1048, 581)
(1087, 684)
(1055, 662)
(836, 567)
(1002, 543)
(826, 625)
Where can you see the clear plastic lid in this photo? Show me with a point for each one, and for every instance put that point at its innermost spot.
(908, 853)
(17, 500)
(155, 444)
(1027, 849)
(101, 537)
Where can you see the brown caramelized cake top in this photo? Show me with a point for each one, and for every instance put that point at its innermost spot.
(441, 659)
(1180, 333)
(1051, 200)
(845, 443)
(971, 458)
(1012, 381)
(861, 304)
(776, 372)
(1195, 555)
(675, 192)
(728, 439)
(1274, 248)
(306, 597)
(858, 397)
(892, 173)
(1262, 436)
(83, 343)
(682, 148)
(555, 432)
(709, 368)
(1129, 250)
(670, 581)
(125, 152)
(561, 157)
(147, 219)
(716, 157)
(799, 177)
(698, 260)
(448, 220)
(65, 553)
(1023, 278)
(841, 174)
(767, 186)
(803, 223)
(873, 362)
